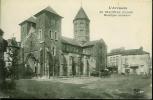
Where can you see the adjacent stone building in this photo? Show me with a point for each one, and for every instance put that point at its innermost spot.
(48, 53)
(132, 61)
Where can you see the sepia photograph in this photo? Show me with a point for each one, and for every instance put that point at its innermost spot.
(76, 49)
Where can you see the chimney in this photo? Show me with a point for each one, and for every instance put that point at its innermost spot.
(141, 48)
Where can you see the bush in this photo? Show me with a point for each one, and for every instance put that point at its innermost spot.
(8, 85)
(95, 73)
(105, 72)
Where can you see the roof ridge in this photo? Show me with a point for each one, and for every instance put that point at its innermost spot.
(49, 9)
(70, 41)
(29, 19)
(129, 52)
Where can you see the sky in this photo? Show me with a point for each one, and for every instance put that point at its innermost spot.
(130, 32)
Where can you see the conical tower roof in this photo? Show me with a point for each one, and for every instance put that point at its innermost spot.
(81, 14)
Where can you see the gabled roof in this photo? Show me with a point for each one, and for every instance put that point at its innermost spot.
(70, 41)
(128, 52)
(81, 14)
(49, 9)
(31, 19)
(134, 52)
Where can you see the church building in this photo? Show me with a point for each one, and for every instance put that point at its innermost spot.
(48, 53)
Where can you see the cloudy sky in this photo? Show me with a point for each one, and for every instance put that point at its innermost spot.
(129, 32)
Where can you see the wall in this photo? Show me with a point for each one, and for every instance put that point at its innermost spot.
(81, 30)
(115, 61)
(142, 61)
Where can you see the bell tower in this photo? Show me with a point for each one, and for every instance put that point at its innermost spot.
(81, 27)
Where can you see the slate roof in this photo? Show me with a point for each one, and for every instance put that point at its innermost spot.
(70, 41)
(77, 43)
(81, 14)
(49, 9)
(129, 52)
(31, 19)
(90, 43)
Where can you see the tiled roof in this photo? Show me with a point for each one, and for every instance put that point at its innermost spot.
(134, 52)
(49, 9)
(129, 52)
(81, 14)
(70, 41)
(31, 19)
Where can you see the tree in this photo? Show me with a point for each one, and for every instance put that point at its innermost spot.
(100, 54)
(12, 52)
(3, 46)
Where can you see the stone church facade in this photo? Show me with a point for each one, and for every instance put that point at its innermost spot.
(48, 53)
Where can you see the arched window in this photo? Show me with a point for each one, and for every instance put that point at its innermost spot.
(56, 38)
(50, 34)
(40, 33)
(54, 51)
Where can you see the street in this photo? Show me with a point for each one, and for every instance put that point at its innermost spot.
(114, 87)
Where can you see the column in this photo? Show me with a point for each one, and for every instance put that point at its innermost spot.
(69, 66)
(77, 70)
(84, 65)
(79, 65)
(61, 70)
(76, 66)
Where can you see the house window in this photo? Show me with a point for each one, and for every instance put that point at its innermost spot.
(142, 66)
(117, 59)
(56, 36)
(40, 33)
(113, 58)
